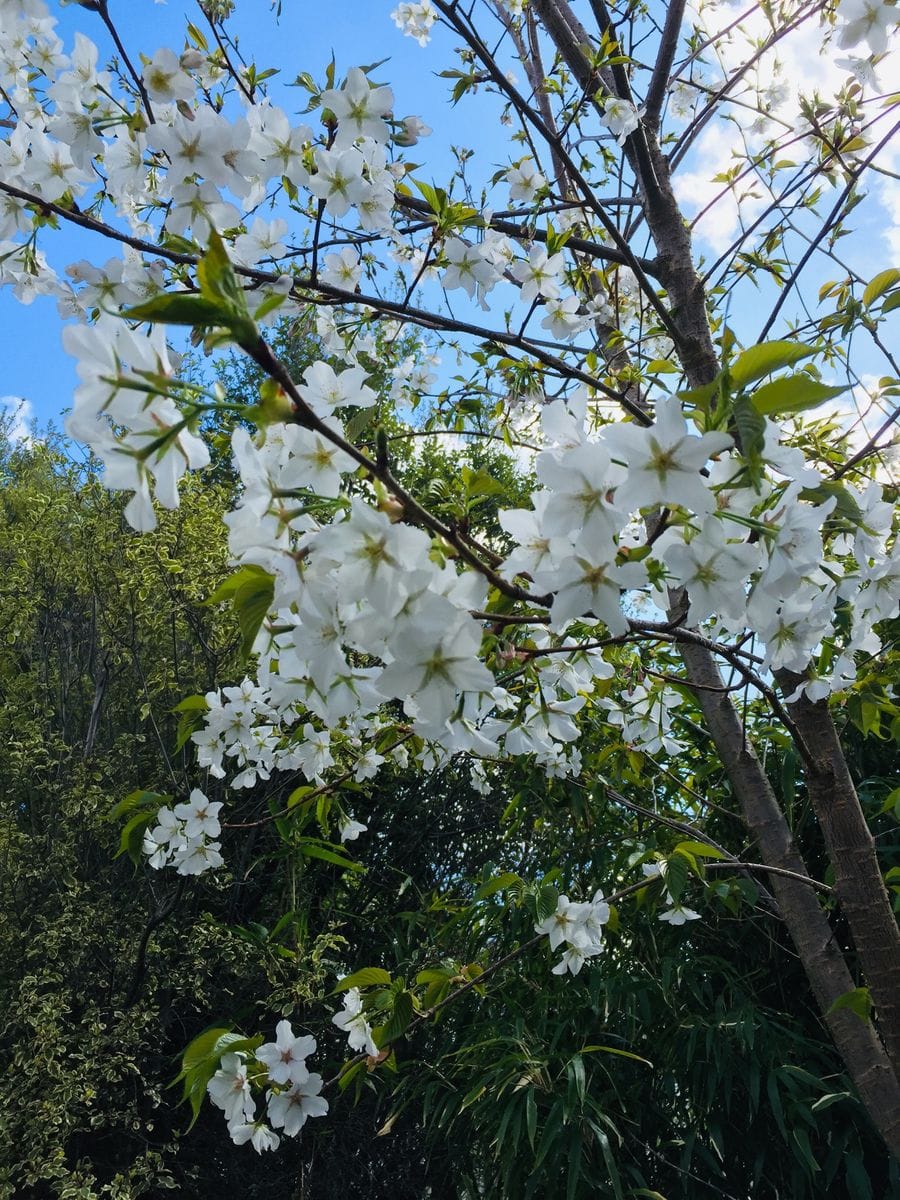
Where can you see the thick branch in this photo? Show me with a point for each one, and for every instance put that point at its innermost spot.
(659, 81)
(864, 1056)
(851, 849)
(664, 218)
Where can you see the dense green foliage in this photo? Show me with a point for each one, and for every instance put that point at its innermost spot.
(685, 1062)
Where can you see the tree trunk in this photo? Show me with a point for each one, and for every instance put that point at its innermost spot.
(849, 844)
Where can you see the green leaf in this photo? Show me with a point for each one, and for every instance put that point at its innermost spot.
(827, 1101)
(366, 977)
(217, 279)
(139, 799)
(200, 1062)
(191, 711)
(765, 358)
(201, 1048)
(614, 1050)
(251, 591)
(531, 1115)
(676, 876)
(399, 1020)
(352, 1072)
(191, 703)
(577, 1064)
(700, 396)
(573, 1173)
(299, 794)
(609, 1159)
(845, 504)
(179, 308)
(316, 850)
(858, 1000)
(700, 850)
(480, 483)
(434, 197)
(498, 884)
(879, 285)
(545, 901)
(252, 602)
(551, 1129)
(270, 304)
(793, 393)
(131, 841)
(801, 1137)
(751, 429)
(662, 366)
(228, 587)
(891, 803)
(359, 423)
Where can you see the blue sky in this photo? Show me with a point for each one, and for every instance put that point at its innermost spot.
(35, 366)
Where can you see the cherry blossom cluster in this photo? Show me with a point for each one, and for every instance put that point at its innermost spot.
(367, 613)
(185, 836)
(580, 927)
(278, 1069)
(644, 716)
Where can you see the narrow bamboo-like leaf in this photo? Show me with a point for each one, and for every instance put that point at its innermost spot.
(574, 1164)
(578, 1075)
(613, 1050)
(609, 1158)
(531, 1115)
(827, 1101)
(314, 850)
(352, 1072)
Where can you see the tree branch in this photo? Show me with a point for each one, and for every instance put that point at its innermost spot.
(659, 81)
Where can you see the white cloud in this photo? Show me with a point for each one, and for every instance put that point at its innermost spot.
(801, 64)
(717, 150)
(16, 417)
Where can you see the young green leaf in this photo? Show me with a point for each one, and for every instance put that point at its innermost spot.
(759, 361)
(366, 977)
(793, 393)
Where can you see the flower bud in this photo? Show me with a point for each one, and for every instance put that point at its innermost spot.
(412, 129)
